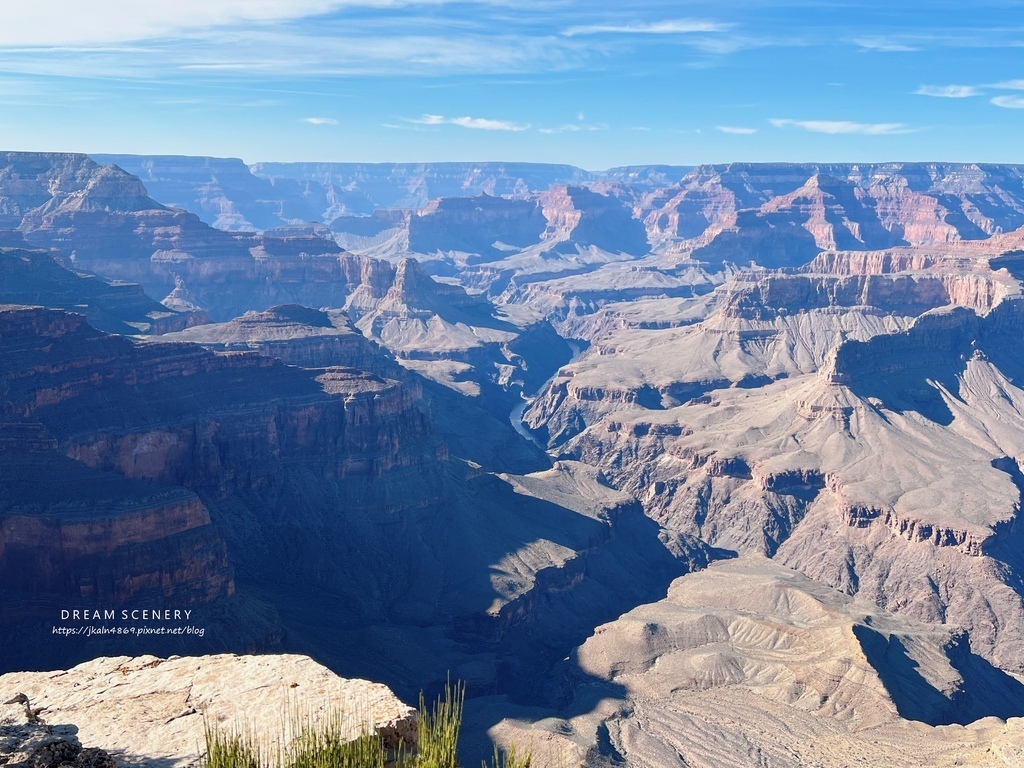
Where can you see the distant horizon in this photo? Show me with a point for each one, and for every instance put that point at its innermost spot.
(689, 166)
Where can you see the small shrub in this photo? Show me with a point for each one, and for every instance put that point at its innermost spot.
(510, 759)
(327, 742)
(324, 745)
(438, 742)
(230, 750)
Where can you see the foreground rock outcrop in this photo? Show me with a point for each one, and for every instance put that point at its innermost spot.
(36, 745)
(148, 711)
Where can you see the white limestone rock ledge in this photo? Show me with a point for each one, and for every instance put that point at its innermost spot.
(147, 711)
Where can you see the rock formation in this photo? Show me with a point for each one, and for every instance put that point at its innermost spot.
(149, 711)
(296, 335)
(751, 661)
(97, 538)
(226, 195)
(840, 206)
(827, 432)
(809, 371)
(332, 493)
(34, 277)
(102, 220)
(485, 228)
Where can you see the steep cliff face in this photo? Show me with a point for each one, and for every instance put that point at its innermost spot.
(34, 185)
(479, 225)
(173, 254)
(226, 195)
(296, 335)
(334, 497)
(777, 215)
(482, 228)
(35, 278)
(757, 327)
(57, 366)
(472, 427)
(383, 234)
(123, 411)
(451, 336)
(97, 538)
(106, 224)
(483, 241)
(835, 213)
(761, 325)
(573, 302)
(615, 239)
(584, 218)
(102, 219)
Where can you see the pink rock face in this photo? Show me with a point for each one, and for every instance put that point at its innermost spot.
(474, 224)
(587, 218)
(865, 207)
(872, 263)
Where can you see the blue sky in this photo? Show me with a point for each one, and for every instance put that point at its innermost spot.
(593, 84)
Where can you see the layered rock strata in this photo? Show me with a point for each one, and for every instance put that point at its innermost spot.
(871, 445)
(32, 277)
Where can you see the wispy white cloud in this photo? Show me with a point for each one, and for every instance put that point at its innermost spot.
(478, 123)
(575, 128)
(260, 53)
(736, 131)
(320, 120)
(20, 87)
(1009, 102)
(949, 91)
(835, 127)
(1010, 85)
(885, 45)
(672, 27)
(408, 127)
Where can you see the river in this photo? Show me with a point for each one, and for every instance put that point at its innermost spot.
(516, 416)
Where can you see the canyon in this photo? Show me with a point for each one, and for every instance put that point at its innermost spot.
(673, 466)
